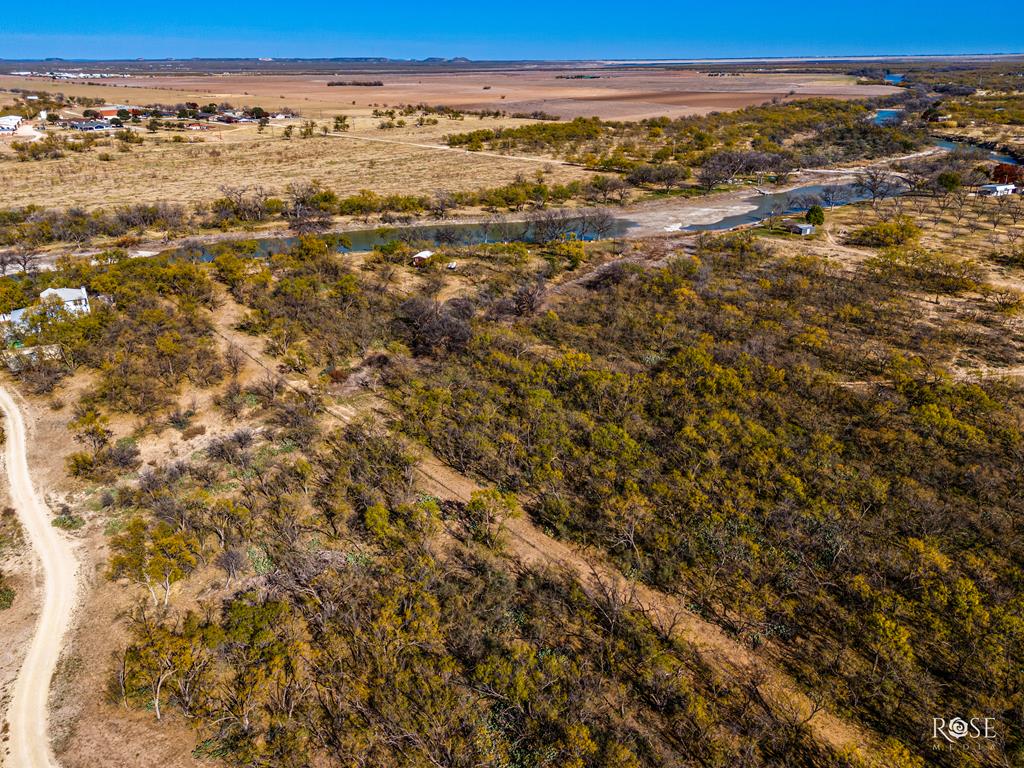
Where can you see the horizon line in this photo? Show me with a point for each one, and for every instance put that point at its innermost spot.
(589, 60)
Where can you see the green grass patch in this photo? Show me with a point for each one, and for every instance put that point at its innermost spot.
(68, 522)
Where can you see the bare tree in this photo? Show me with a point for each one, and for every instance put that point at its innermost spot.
(26, 259)
(877, 184)
(246, 203)
(717, 169)
(834, 194)
(1014, 209)
(529, 296)
(232, 562)
(309, 211)
(551, 225)
(442, 203)
(774, 214)
(235, 359)
(598, 222)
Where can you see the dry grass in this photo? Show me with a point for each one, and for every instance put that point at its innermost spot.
(984, 226)
(238, 156)
(192, 172)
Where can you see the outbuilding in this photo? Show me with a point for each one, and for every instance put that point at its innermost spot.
(996, 190)
(800, 228)
(73, 300)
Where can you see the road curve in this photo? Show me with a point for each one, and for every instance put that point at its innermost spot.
(27, 716)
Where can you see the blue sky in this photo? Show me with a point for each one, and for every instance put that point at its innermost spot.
(515, 29)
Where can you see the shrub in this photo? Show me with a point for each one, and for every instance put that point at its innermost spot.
(899, 230)
(81, 464)
(918, 268)
(194, 431)
(68, 521)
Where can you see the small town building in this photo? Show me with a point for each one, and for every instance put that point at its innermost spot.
(10, 123)
(90, 125)
(996, 190)
(111, 110)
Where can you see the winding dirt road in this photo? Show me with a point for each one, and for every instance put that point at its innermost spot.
(29, 744)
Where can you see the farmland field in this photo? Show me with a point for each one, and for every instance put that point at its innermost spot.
(625, 94)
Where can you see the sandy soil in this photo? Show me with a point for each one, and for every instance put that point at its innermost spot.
(21, 571)
(28, 713)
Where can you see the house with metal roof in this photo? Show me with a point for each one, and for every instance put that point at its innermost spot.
(72, 300)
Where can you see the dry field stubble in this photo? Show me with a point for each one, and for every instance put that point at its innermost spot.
(620, 93)
(161, 170)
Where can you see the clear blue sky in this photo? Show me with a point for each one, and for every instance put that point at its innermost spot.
(514, 29)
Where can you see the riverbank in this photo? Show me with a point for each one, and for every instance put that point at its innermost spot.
(717, 210)
(999, 151)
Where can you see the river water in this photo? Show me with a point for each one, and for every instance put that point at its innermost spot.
(794, 201)
(990, 154)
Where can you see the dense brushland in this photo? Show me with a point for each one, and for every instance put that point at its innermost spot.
(352, 625)
(735, 424)
(796, 440)
(694, 423)
(782, 136)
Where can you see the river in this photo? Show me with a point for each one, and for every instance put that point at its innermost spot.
(758, 206)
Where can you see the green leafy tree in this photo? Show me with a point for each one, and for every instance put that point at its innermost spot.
(815, 215)
(91, 429)
(153, 556)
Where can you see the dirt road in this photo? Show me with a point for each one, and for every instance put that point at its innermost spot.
(27, 716)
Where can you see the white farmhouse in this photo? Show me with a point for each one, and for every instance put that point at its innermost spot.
(72, 300)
